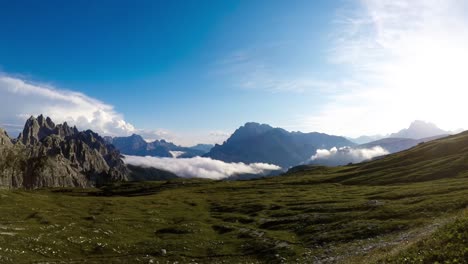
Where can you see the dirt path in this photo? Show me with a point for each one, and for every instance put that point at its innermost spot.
(376, 249)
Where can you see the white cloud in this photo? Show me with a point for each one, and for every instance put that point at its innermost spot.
(201, 167)
(345, 155)
(176, 154)
(407, 60)
(19, 99)
(252, 70)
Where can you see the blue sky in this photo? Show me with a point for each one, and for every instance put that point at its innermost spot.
(193, 71)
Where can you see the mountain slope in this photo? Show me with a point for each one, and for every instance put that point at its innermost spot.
(255, 142)
(441, 158)
(203, 147)
(366, 152)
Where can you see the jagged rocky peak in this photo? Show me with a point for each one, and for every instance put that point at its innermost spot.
(59, 156)
(5, 140)
(45, 122)
(38, 128)
(63, 130)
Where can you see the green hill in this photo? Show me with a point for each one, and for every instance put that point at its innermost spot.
(409, 207)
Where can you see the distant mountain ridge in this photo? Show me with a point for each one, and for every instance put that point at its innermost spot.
(136, 145)
(389, 146)
(256, 142)
(420, 129)
(366, 139)
(394, 145)
(417, 130)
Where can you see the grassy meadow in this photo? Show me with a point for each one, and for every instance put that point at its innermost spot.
(410, 207)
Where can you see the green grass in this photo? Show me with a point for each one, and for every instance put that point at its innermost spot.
(449, 244)
(406, 208)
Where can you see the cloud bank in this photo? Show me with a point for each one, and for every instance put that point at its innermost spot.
(200, 167)
(341, 156)
(19, 99)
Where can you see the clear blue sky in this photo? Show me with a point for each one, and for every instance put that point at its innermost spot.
(170, 64)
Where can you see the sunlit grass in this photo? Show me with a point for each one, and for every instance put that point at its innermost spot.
(379, 212)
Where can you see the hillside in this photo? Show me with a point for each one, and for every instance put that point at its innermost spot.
(385, 211)
(255, 142)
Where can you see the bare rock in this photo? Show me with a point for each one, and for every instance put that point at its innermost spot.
(50, 155)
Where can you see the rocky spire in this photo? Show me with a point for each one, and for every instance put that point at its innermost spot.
(5, 140)
(39, 128)
(30, 134)
(60, 156)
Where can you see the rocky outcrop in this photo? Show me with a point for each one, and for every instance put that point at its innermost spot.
(38, 128)
(5, 140)
(49, 155)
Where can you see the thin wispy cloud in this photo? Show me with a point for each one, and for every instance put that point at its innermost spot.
(199, 167)
(407, 59)
(252, 70)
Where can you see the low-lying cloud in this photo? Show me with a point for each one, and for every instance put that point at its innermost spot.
(341, 156)
(200, 167)
(176, 154)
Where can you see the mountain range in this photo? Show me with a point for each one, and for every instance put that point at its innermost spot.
(136, 145)
(396, 142)
(407, 207)
(256, 142)
(393, 145)
(46, 154)
(417, 130)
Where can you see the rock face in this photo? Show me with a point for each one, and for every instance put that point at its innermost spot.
(49, 155)
(255, 142)
(5, 140)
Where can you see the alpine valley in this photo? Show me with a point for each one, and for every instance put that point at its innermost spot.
(407, 207)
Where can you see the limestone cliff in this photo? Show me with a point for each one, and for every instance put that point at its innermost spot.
(50, 155)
